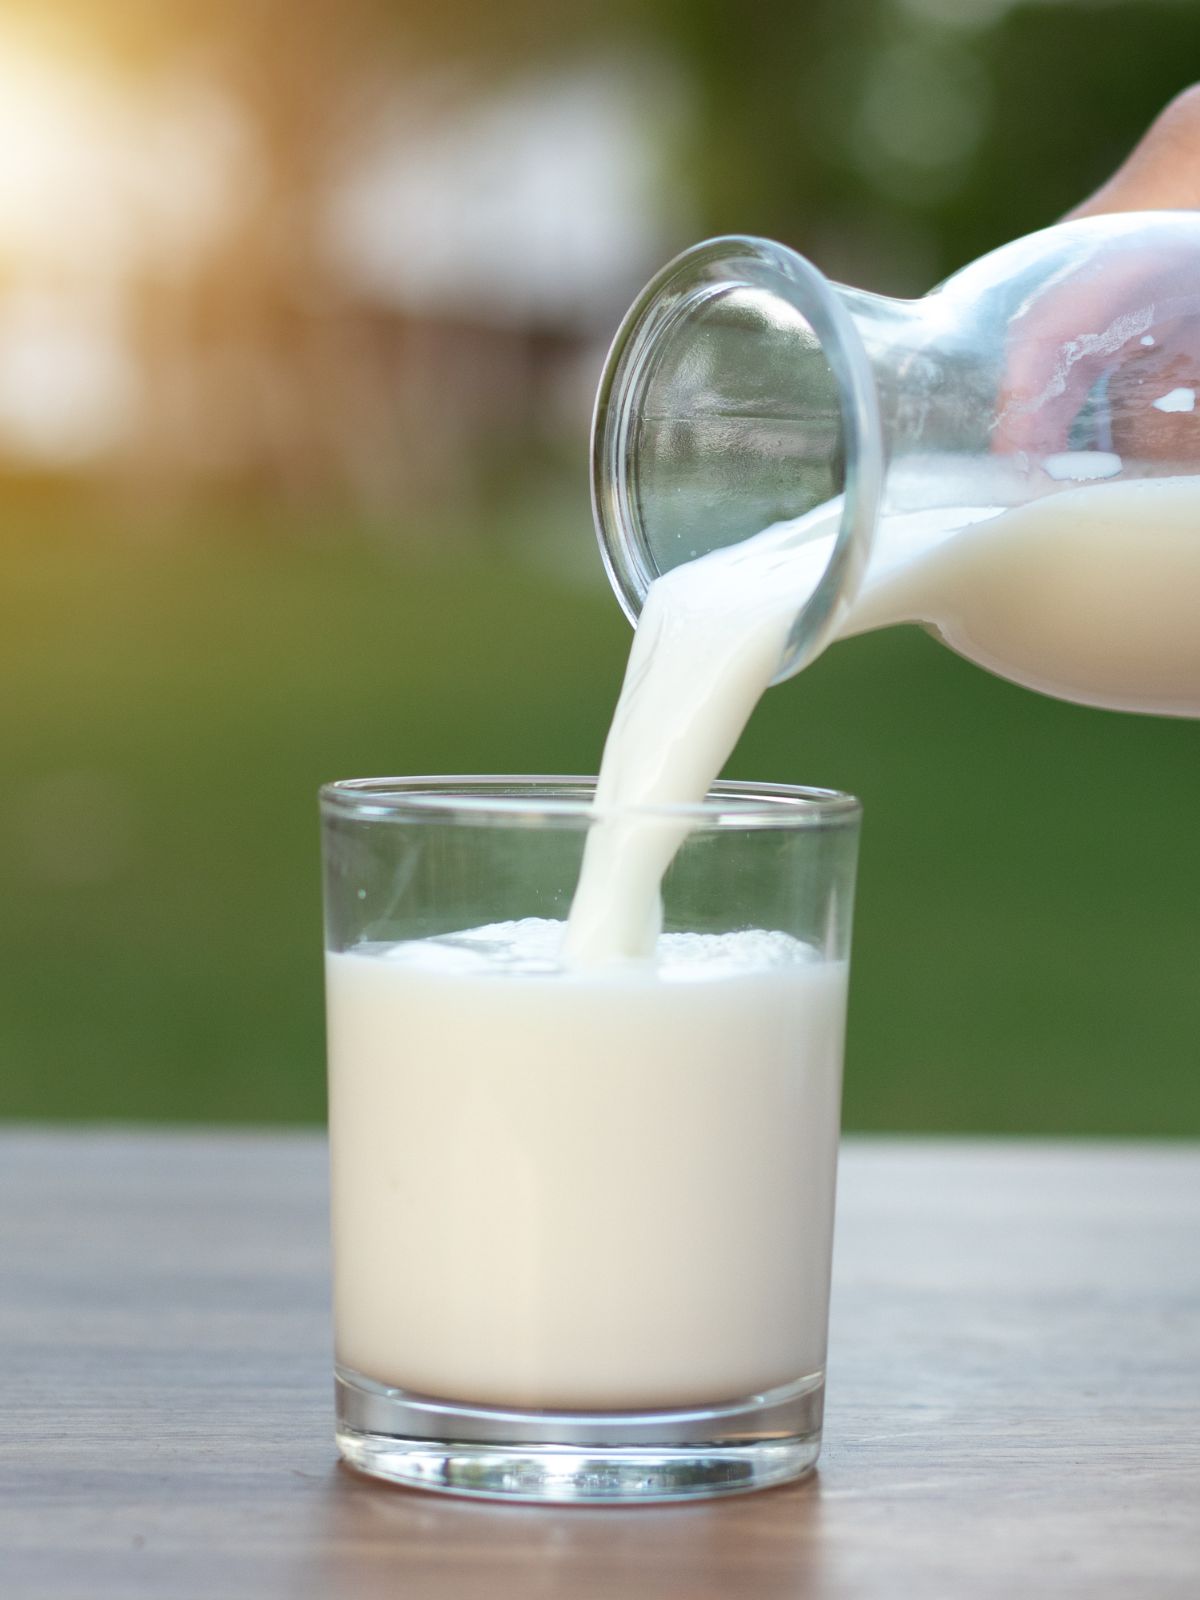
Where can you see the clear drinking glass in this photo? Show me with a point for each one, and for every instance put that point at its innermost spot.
(582, 1220)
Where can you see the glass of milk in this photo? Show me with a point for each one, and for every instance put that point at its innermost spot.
(582, 1213)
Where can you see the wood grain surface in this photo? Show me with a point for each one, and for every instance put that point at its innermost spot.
(1014, 1403)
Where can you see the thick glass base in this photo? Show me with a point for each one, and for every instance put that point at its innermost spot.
(582, 1458)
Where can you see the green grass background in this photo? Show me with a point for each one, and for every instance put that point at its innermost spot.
(1027, 939)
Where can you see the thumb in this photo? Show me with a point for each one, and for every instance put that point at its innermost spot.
(1163, 172)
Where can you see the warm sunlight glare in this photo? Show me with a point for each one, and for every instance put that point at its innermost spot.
(105, 182)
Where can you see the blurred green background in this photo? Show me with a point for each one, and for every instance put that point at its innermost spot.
(301, 309)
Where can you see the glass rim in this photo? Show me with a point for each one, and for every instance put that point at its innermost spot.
(523, 798)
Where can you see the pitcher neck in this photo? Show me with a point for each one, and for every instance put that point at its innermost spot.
(935, 392)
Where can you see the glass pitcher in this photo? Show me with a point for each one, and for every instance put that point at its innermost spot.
(1012, 460)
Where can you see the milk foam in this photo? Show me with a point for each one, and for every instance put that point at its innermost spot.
(533, 948)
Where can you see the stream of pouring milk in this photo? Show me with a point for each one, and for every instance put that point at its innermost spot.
(1089, 593)
(709, 640)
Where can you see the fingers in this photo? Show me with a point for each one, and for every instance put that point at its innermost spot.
(1163, 172)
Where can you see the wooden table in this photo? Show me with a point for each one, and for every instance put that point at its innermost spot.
(1014, 1402)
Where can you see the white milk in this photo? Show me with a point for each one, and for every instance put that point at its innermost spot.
(1090, 593)
(607, 1183)
(569, 1189)
(709, 640)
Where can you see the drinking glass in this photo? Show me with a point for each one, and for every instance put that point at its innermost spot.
(582, 1219)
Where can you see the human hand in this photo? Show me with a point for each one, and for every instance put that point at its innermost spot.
(1163, 170)
(1091, 327)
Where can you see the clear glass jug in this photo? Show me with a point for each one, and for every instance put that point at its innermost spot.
(1012, 461)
